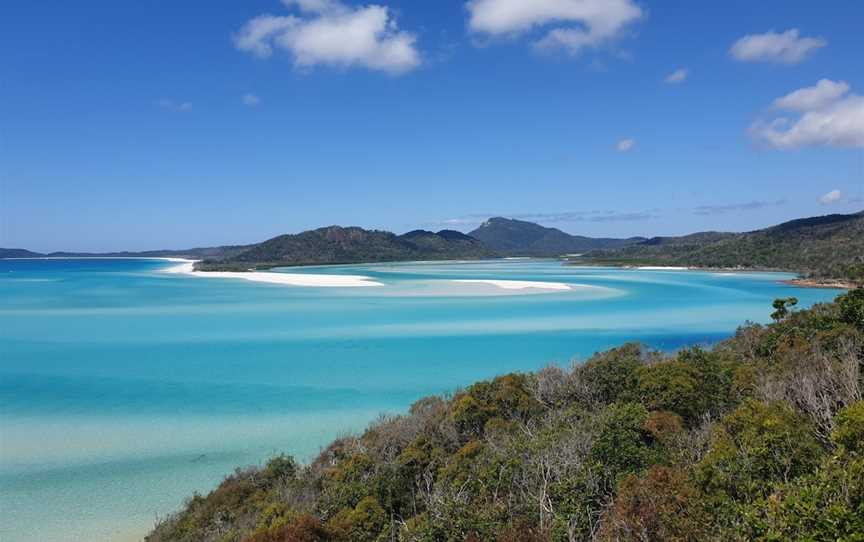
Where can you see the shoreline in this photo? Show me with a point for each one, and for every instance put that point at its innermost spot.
(824, 284)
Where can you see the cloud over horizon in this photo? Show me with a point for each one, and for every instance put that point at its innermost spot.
(831, 197)
(788, 47)
(569, 25)
(625, 145)
(328, 32)
(677, 77)
(828, 115)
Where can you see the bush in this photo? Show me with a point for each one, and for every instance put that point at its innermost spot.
(756, 446)
(662, 505)
(852, 308)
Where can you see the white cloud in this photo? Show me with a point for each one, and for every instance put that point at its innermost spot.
(571, 25)
(251, 100)
(332, 33)
(831, 197)
(678, 76)
(625, 145)
(788, 47)
(174, 106)
(827, 115)
(823, 94)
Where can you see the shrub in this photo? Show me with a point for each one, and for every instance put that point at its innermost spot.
(756, 446)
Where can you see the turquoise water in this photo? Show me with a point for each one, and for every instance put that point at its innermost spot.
(123, 389)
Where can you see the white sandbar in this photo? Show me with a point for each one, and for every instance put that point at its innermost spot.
(519, 284)
(662, 268)
(187, 267)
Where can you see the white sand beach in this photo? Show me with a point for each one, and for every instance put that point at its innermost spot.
(662, 268)
(519, 284)
(187, 267)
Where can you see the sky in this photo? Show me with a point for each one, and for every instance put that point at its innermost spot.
(156, 124)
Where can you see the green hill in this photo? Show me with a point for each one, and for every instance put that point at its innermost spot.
(760, 438)
(520, 238)
(825, 247)
(19, 253)
(335, 245)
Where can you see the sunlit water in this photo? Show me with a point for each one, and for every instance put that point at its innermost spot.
(124, 389)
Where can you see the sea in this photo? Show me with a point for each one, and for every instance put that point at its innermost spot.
(125, 389)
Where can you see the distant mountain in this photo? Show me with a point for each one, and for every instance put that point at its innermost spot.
(18, 253)
(827, 246)
(192, 253)
(336, 244)
(520, 238)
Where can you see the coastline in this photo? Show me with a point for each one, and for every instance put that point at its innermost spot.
(826, 284)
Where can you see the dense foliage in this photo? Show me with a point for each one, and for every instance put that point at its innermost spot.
(335, 244)
(759, 438)
(831, 246)
(520, 238)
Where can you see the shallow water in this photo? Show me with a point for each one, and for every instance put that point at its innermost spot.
(123, 389)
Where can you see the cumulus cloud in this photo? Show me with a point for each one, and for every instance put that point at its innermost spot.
(251, 100)
(831, 197)
(788, 47)
(571, 25)
(625, 145)
(678, 76)
(824, 93)
(328, 32)
(826, 114)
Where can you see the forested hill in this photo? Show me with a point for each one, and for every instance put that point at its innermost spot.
(521, 238)
(760, 438)
(335, 244)
(829, 246)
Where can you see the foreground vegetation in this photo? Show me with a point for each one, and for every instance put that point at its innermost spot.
(761, 438)
(828, 247)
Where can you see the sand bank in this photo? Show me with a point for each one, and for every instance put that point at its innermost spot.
(187, 267)
(519, 284)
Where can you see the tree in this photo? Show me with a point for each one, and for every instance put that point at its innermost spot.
(781, 306)
(852, 308)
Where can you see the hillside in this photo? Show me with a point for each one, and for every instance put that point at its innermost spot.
(335, 244)
(520, 238)
(826, 247)
(761, 438)
(18, 253)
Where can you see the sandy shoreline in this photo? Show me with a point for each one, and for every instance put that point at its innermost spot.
(824, 284)
(187, 267)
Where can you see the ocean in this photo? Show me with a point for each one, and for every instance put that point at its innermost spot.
(125, 389)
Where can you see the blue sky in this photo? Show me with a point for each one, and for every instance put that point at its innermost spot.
(153, 124)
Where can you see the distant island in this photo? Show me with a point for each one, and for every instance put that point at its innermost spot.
(827, 248)
(760, 438)
(825, 251)
(338, 245)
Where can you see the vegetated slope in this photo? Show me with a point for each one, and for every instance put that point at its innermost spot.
(19, 253)
(520, 238)
(336, 244)
(828, 246)
(761, 438)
